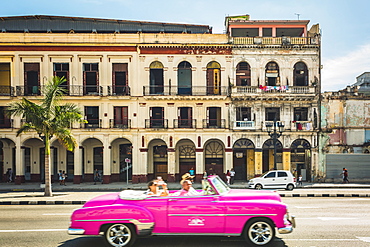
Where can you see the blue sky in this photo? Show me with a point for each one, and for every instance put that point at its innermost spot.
(345, 24)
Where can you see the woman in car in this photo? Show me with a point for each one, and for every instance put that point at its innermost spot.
(153, 189)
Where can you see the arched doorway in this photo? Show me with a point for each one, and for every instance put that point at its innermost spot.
(34, 160)
(125, 162)
(300, 158)
(159, 157)
(268, 155)
(186, 157)
(243, 159)
(214, 157)
(92, 158)
(184, 78)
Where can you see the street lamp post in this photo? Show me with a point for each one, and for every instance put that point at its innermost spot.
(275, 133)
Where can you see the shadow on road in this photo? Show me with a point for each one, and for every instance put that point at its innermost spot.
(178, 241)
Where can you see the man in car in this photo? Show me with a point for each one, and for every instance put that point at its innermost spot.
(187, 189)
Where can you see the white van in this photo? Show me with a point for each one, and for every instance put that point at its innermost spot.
(276, 179)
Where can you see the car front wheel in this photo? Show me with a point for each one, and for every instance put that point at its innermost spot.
(120, 235)
(290, 187)
(258, 186)
(259, 232)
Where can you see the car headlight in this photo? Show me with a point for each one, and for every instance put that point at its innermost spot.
(251, 181)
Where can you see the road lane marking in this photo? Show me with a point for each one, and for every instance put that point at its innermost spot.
(35, 230)
(304, 207)
(365, 239)
(335, 218)
(58, 214)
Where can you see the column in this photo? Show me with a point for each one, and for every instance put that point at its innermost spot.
(106, 161)
(77, 165)
(19, 161)
(171, 163)
(199, 164)
(258, 161)
(286, 159)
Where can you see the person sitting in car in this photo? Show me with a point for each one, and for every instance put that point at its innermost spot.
(153, 189)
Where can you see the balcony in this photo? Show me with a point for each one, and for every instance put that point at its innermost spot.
(92, 124)
(302, 126)
(120, 123)
(118, 90)
(6, 91)
(266, 90)
(6, 123)
(275, 41)
(185, 91)
(156, 123)
(243, 125)
(214, 123)
(185, 123)
(28, 90)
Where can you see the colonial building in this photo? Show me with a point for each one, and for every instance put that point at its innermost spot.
(161, 98)
(346, 132)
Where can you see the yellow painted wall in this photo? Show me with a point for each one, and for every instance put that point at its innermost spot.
(286, 160)
(4, 74)
(258, 162)
(250, 163)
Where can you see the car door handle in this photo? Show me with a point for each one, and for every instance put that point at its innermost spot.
(172, 200)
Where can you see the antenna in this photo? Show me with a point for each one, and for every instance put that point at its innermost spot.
(297, 15)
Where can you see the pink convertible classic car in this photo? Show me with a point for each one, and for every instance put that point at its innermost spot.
(122, 217)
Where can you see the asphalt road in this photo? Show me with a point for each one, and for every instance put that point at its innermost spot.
(321, 222)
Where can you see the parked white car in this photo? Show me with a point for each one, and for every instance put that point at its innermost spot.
(276, 179)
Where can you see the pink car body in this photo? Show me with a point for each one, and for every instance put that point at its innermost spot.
(121, 217)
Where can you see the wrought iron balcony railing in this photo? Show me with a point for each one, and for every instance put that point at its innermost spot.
(214, 123)
(120, 123)
(92, 124)
(118, 90)
(185, 91)
(156, 123)
(185, 123)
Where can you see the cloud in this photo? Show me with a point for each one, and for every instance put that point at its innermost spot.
(341, 71)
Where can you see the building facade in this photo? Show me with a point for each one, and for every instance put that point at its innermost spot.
(161, 98)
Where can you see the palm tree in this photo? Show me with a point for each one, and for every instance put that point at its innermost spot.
(48, 119)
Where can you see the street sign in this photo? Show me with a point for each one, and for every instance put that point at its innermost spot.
(127, 160)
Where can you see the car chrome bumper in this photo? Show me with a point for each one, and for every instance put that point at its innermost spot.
(289, 228)
(74, 231)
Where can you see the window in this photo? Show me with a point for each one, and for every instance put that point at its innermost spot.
(185, 117)
(243, 74)
(301, 114)
(156, 78)
(5, 79)
(213, 78)
(91, 78)
(184, 78)
(92, 116)
(243, 114)
(271, 175)
(272, 74)
(156, 117)
(62, 70)
(272, 113)
(4, 119)
(214, 117)
(120, 79)
(31, 79)
(282, 174)
(300, 74)
(121, 117)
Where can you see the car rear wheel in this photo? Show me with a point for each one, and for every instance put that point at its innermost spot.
(258, 186)
(259, 232)
(290, 187)
(120, 235)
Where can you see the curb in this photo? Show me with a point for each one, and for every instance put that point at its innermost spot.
(42, 202)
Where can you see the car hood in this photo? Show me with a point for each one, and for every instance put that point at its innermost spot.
(106, 199)
(246, 194)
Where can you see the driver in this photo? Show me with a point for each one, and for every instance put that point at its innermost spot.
(187, 189)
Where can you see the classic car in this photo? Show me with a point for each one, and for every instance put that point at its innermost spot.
(123, 216)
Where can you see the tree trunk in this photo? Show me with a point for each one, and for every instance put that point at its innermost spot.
(48, 191)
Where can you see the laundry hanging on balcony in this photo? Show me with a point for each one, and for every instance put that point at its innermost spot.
(269, 88)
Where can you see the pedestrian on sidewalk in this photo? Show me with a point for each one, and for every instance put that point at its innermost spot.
(64, 177)
(232, 176)
(192, 173)
(97, 176)
(9, 175)
(300, 180)
(345, 176)
(228, 177)
(60, 177)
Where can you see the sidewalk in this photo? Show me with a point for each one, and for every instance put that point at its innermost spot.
(32, 194)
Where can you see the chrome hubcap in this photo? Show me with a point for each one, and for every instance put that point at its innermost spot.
(260, 233)
(119, 235)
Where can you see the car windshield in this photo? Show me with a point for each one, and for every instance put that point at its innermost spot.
(219, 185)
